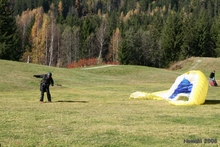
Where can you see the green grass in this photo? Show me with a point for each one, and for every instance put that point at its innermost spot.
(92, 107)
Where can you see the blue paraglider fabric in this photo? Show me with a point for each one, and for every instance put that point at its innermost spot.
(184, 87)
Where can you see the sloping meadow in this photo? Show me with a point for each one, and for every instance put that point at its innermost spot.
(91, 107)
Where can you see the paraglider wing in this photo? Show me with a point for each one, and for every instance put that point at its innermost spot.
(188, 89)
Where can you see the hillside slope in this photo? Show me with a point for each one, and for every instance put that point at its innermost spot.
(19, 76)
(92, 107)
(205, 64)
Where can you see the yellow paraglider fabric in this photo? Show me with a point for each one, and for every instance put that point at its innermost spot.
(194, 95)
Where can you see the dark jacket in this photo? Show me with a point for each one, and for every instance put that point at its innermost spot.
(45, 82)
(212, 75)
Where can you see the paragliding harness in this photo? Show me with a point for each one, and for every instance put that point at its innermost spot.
(43, 84)
(213, 82)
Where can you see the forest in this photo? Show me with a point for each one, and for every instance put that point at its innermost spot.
(73, 33)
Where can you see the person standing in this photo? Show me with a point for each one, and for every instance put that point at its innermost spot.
(46, 81)
(212, 80)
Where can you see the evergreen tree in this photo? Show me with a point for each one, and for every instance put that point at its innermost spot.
(113, 22)
(215, 31)
(126, 48)
(147, 40)
(9, 43)
(189, 47)
(203, 30)
(141, 45)
(131, 51)
(73, 20)
(124, 53)
(86, 30)
(172, 38)
(59, 17)
(144, 4)
(155, 50)
(89, 26)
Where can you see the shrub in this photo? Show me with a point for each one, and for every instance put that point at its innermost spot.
(83, 63)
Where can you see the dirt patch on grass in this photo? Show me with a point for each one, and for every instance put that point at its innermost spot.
(178, 65)
(196, 63)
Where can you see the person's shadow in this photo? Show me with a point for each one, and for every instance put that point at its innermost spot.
(211, 102)
(70, 101)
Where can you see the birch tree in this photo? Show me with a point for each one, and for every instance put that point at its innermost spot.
(23, 23)
(75, 43)
(52, 33)
(101, 36)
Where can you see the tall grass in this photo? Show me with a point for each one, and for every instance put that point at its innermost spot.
(92, 108)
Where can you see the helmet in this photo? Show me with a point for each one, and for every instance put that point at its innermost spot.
(49, 74)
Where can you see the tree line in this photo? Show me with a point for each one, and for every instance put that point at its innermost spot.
(152, 33)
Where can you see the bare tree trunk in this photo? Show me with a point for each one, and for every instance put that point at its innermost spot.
(51, 43)
(46, 38)
(52, 38)
(75, 31)
(101, 36)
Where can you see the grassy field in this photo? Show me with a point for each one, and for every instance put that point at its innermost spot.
(92, 108)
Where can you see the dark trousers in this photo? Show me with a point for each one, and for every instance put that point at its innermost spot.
(47, 90)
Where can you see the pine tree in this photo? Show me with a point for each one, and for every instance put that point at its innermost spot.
(172, 38)
(203, 29)
(215, 31)
(156, 29)
(90, 24)
(190, 45)
(9, 42)
(127, 53)
(59, 17)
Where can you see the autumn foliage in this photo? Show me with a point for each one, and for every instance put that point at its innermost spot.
(87, 62)
(83, 63)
